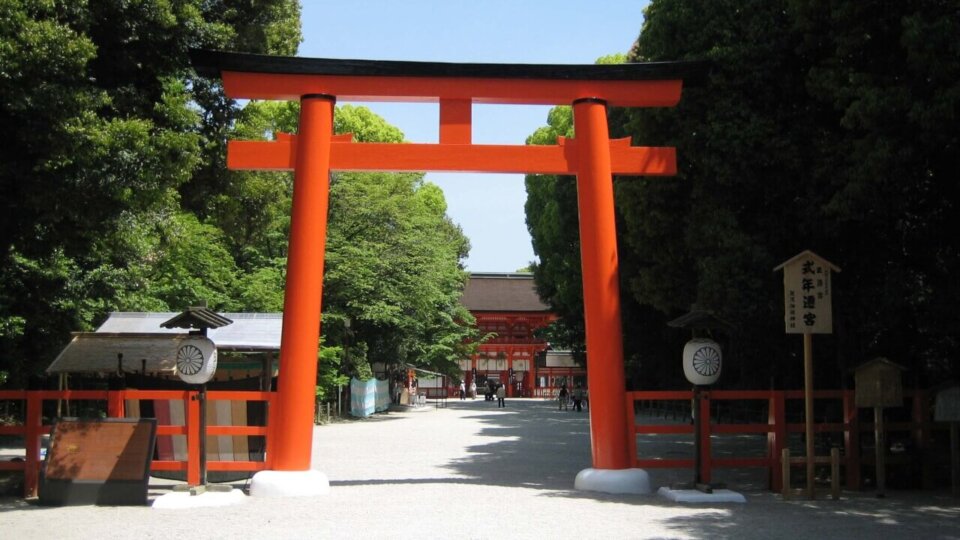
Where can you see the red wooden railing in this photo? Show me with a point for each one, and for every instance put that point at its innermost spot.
(776, 428)
(33, 427)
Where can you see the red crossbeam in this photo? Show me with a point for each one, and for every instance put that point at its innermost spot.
(280, 155)
(291, 87)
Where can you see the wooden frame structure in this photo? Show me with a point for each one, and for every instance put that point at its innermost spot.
(314, 152)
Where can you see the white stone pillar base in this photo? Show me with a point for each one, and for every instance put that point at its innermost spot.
(635, 481)
(289, 484)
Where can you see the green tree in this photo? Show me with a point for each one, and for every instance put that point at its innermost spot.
(394, 261)
(740, 202)
(106, 130)
(393, 273)
(553, 223)
(824, 126)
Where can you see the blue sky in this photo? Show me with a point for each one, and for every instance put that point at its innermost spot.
(488, 207)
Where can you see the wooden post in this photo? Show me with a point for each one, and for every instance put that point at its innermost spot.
(601, 286)
(299, 341)
(785, 473)
(881, 443)
(631, 413)
(697, 454)
(851, 439)
(115, 404)
(60, 387)
(835, 473)
(193, 439)
(703, 415)
(34, 427)
(808, 409)
(777, 440)
(955, 457)
(266, 372)
(202, 399)
(921, 436)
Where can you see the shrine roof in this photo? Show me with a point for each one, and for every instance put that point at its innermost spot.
(213, 63)
(502, 292)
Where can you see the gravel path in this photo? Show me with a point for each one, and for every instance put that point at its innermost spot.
(471, 470)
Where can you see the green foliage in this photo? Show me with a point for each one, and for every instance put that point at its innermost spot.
(823, 126)
(394, 262)
(106, 134)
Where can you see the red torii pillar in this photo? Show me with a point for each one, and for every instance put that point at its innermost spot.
(601, 287)
(312, 154)
(303, 294)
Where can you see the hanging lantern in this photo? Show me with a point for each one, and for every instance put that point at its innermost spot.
(196, 360)
(701, 361)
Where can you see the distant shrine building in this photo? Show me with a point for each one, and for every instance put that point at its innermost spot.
(507, 307)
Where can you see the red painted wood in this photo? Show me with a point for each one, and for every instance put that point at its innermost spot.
(706, 454)
(193, 440)
(296, 386)
(455, 121)
(290, 87)
(280, 155)
(601, 286)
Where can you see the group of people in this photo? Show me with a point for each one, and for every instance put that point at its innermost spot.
(494, 389)
(499, 391)
(578, 396)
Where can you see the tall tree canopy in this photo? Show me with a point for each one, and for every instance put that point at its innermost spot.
(105, 129)
(823, 126)
(115, 193)
(393, 272)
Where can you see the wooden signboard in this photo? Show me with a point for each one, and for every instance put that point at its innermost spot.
(808, 310)
(98, 462)
(807, 294)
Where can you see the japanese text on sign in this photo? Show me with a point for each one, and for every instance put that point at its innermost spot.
(807, 303)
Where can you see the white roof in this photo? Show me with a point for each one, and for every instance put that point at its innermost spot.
(249, 331)
(139, 337)
(98, 353)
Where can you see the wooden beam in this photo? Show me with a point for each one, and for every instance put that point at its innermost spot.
(280, 155)
(289, 87)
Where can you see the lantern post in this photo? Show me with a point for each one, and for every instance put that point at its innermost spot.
(702, 363)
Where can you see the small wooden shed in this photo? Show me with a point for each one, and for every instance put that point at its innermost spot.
(878, 383)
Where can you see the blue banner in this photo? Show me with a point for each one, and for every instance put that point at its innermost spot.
(383, 395)
(363, 395)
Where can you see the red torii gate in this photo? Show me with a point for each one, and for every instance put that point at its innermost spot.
(315, 152)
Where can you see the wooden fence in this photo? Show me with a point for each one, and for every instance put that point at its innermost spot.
(777, 428)
(34, 427)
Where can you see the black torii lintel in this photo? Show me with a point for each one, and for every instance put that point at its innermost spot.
(211, 64)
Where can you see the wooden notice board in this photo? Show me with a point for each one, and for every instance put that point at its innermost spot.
(104, 461)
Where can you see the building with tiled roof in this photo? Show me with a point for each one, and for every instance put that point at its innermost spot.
(507, 306)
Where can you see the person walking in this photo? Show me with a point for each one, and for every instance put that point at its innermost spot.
(501, 393)
(473, 389)
(563, 397)
(463, 391)
(578, 398)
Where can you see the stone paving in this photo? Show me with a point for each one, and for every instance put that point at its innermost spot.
(471, 470)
